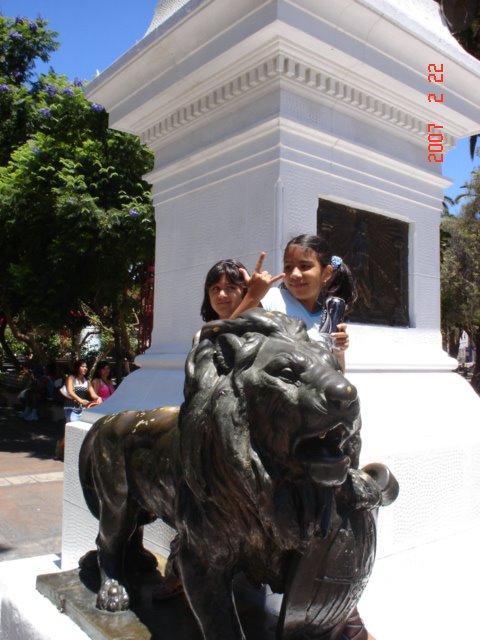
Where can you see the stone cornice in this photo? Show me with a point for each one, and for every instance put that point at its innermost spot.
(165, 83)
(284, 68)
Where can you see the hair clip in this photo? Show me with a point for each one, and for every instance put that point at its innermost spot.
(335, 261)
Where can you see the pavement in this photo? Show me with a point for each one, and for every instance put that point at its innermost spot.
(31, 486)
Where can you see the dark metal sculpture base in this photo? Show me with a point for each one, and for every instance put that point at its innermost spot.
(74, 593)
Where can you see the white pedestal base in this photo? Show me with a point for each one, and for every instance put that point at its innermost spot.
(420, 594)
(425, 593)
(24, 613)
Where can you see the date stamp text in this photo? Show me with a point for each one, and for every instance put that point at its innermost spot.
(434, 131)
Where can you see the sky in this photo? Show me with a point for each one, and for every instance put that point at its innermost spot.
(94, 33)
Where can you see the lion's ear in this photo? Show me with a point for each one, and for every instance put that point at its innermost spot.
(227, 348)
(232, 351)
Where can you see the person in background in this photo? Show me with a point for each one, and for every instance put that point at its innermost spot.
(81, 395)
(101, 383)
(50, 377)
(34, 393)
(81, 392)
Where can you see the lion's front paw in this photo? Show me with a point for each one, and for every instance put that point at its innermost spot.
(112, 597)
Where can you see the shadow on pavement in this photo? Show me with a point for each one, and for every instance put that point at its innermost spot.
(31, 486)
(37, 438)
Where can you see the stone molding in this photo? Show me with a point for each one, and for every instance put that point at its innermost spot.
(285, 68)
(268, 133)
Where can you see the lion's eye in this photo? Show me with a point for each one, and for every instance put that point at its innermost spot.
(287, 374)
(288, 368)
(283, 371)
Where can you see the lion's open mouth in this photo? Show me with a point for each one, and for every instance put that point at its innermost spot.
(323, 456)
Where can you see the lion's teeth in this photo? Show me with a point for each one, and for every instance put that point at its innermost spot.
(322, 436)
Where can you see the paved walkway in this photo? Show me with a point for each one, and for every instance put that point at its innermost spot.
(31, 487)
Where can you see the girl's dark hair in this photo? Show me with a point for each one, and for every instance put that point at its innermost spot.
(341, 283)
(231, 270)
(76, 366)
(99, 367)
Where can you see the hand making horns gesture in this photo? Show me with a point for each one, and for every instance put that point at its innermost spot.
(257, 286)
(260, 281)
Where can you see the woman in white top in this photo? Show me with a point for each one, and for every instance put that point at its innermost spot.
(81, 392)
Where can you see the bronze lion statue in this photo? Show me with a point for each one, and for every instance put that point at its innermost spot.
(257, 472)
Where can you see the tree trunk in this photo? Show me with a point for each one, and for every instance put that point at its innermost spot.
(11, 357)
(453, 342)
(127, 349)
(476, 368)
(101, 355)
(117, 338)
(38, 354)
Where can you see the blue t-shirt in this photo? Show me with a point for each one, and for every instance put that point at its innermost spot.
(280, 299)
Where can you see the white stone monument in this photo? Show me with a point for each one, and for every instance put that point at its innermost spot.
(255, 109)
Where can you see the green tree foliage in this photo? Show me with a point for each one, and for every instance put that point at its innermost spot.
(75, 212)
(22, 42)
(460, 271)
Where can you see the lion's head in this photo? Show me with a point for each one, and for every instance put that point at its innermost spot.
(258, 387)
